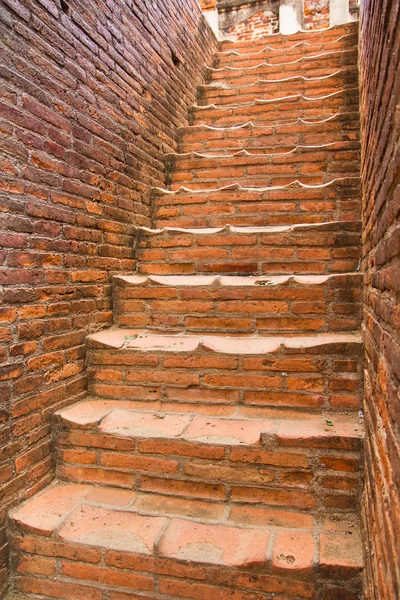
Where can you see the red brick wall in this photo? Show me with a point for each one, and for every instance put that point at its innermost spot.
(316, 14)
(259, 24)
(90, 103)
(380, 88)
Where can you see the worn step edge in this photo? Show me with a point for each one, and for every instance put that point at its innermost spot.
(146, 341)
(231, 280)
(90, 412)
(325, 226)
(125, 419)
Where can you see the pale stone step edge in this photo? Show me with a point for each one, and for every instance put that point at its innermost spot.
(146, 341)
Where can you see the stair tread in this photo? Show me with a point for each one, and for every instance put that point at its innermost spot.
(242, 426)
(232, 280)
(191, 530)
(295, 184)
(325, 226)
(143, 340)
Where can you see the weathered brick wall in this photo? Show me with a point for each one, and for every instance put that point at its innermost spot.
(93, 93)
(380, 87)
(261, 23)
(316, 14)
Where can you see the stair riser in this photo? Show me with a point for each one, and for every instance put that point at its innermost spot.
(65, 570)
(225, 142)
(276, 111)
(339, 201)
(325, 379)
(308, 67)
(278, 213)
(278, 54)
(339, 128)
(301, 252)
(310, 477)
(278, 89)
(321, 164)
(332, 306)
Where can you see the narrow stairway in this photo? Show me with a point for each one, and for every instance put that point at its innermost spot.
(218, 453)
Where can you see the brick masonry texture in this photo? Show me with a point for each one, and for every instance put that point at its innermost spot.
(91, 101)
(380, 95)
(200, 436)
(316, 14)
(258, 25)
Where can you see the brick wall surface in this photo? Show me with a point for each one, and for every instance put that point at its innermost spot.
(380, 86)
(91, 99)
(316, 14)
(261, 23)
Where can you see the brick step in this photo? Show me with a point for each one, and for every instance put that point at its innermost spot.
(265, 89)
(242, 55)
(318, 65)
(86, 542)
(282, 136)
(291, 458)
(319, 248)
(238, 304)
(283, 42)
(277, 110)
(338, 200)
(322, 163)
(315, 372)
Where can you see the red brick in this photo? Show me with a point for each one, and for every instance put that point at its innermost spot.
(57, 589)
(37, 565)
(46, 547)
(181, 449)
(246, 381)
(273, 496)
(139, 463)
(183, 488)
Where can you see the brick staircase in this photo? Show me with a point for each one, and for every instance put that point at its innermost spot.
(218, 451)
